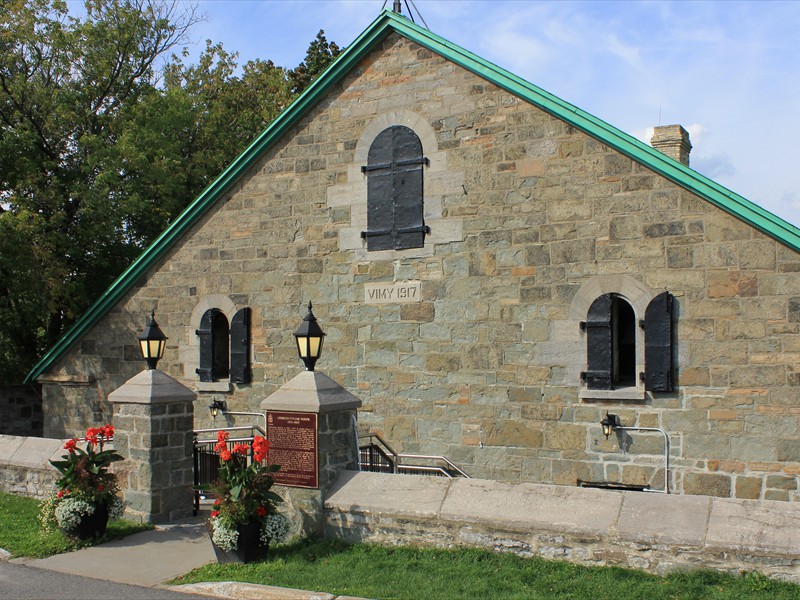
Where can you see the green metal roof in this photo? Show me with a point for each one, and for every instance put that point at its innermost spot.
(386, 23)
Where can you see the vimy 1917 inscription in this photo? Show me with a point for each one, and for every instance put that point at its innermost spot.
(293, 445)
(381, 293)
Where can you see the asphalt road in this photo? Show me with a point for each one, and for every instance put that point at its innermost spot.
(21, 582)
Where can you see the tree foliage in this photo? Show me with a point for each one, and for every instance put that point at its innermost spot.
(100, 150)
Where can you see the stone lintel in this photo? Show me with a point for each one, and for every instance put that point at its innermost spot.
(311, 391)
(151, 387)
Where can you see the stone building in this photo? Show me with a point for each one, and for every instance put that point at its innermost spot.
(495, 270)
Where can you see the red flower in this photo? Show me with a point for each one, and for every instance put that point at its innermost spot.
(218, 501)
(70, 445)
(261, 511)
(220, 446)
(60, 493)
(241, 449)
(214, 513)
(260, 448)
(108, 431)
(222, 436)
(100, 487)
(226, 455)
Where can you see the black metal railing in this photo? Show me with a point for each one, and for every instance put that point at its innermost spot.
(206, 458)
(377, 456)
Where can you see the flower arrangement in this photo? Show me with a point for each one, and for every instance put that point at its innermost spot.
(244, 495)
(85, 483)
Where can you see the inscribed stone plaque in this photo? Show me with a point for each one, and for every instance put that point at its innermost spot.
(293, 445)
(381, 293)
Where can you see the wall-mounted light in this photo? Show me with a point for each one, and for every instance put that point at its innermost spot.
(609, 423)
(309, 338)
(215, 407)
(152, 342)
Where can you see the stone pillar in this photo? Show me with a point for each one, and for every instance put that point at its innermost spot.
(672, 140)
(153, 420)
(337, 441)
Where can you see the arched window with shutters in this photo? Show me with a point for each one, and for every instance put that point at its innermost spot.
(395, 191)
(224, 351)
(611, 335)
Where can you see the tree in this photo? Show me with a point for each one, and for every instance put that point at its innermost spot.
(64, 85)
(96, 159)
(319, 55)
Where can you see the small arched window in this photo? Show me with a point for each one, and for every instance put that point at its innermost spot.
(224, 351)
(611, 334)
(395, 191)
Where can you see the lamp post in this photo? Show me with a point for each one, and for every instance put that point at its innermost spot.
(152, 342)
(309, 338)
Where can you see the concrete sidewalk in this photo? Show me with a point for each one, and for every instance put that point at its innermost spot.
(151, 558)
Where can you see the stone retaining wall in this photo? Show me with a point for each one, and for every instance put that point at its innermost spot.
(653, 532)
(24, 466)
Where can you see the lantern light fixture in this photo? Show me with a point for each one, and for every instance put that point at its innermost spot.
(609, 423)
(152, 342)
(215, 407)
(309, 338)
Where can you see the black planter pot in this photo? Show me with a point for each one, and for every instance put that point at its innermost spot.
(90, 526)
(249, 548)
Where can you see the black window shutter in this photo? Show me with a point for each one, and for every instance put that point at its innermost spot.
(206, 346)
(240, 346)
(395, 191)
(599, 350)
(658, 344)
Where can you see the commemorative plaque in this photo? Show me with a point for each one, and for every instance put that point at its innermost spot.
(293, 445)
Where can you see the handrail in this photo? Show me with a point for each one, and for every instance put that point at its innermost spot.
(399, 456)
(666, 453)
(434, 457)
(237, 428)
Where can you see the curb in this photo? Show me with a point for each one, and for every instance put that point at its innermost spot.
(251, 591)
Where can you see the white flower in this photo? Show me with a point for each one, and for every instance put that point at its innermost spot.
(225, 539)
(70, 511)
(276, 529)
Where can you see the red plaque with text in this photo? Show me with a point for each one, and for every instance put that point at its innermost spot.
(293, 445)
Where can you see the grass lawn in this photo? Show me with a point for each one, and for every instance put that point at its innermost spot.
(21, 533)
(427, 574)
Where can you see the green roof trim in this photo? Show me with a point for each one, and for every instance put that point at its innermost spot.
(386, 23)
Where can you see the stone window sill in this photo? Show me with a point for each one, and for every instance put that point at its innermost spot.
(629, 393)
(214, 386)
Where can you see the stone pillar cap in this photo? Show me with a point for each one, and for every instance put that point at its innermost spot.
(311, 391)
(151, 386)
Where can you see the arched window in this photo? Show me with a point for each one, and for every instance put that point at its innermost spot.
(224, 352)
(610, 328)
(395, 191)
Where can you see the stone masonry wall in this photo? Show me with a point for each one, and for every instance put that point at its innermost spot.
(21, 410)
(529, 219)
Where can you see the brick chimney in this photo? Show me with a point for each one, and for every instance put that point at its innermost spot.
(672, 140)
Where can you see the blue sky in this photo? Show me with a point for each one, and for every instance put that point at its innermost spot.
(727, 71)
